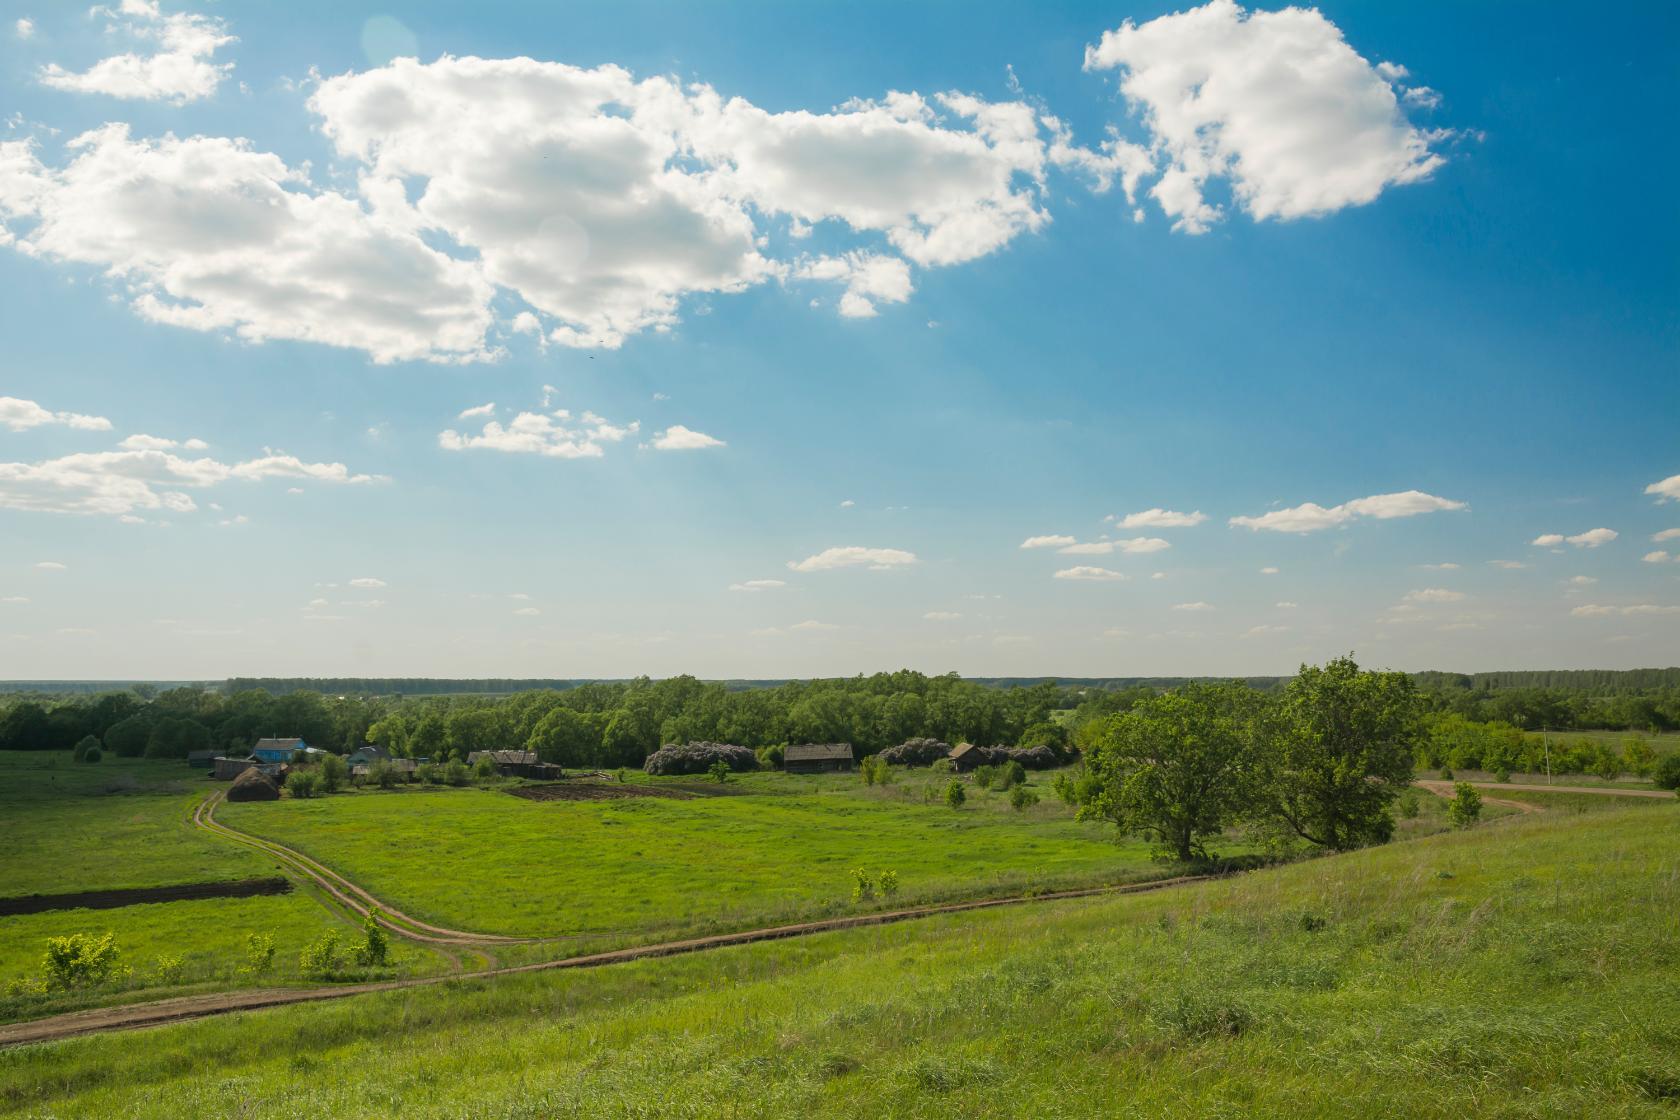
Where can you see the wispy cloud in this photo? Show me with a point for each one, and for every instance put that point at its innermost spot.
(854, 556)
(1310, 517)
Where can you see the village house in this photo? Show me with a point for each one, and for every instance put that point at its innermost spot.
(966, 756)
(281, 750)
(367, 755)
(815, 758)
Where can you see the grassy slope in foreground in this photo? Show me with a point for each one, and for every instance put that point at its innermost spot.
(1527, 968)
(780, 850)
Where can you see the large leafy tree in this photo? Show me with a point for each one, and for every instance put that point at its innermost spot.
(1338, 750)
(1176, 768)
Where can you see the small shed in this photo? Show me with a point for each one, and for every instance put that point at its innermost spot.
(816, 758)
(966, 756)
(253, 785)
(227, 769)
(201, 760)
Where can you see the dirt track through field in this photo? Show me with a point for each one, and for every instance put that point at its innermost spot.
(1445, 789)
(348, 894)
(198, 1007)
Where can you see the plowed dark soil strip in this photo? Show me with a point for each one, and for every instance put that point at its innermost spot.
(130, 896)
(596, 791)
(198, 1007)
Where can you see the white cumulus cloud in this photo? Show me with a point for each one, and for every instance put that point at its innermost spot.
(853, 556)
(208, 234)
(19, 415)
(488, 409)
(1135, 546)
(1277, 103)
(558, 435)
(177, 69)
(1667, 490)
(1161, 519)
(758, 585)
(121, 482)
(1309, 517)
(679, 438)
(1087, 572)
(1434, 595)
(1050, 541)
(1592, 538)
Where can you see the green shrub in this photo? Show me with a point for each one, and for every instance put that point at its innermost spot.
(384, 775)
(1011, 774)
(863, 885)
(457, 774)
(484, 769)
(259, 954)
(322, 960)
(430, 773)
(1606, 763)
(375, 949)
(1501, 774)
(1667, 773)
(83, 746)
(955, 794)
(168, 970)
(93, 754)
(1641, 759)
(1409, 804)
(719, 771)
(1020, 797)
(303, 783)
(889, 884)
(81, 960)
(334, 773)
(1466, 807)
(943, 766)
(1446, 774)
(983, 776)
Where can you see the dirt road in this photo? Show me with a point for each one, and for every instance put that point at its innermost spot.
(348, 894)
(1445, 790)
(198, 1007)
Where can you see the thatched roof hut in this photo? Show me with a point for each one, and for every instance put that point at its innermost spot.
(253, 785)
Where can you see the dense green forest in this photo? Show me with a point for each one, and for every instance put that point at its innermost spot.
(619, 723)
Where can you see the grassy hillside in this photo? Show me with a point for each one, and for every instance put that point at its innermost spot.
(1525, 968)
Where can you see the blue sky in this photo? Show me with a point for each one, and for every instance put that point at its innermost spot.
(920, 329)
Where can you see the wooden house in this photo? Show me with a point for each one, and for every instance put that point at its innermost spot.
(966, 756)
(816, 758)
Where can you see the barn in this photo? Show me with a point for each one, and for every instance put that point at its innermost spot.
(517, 764)
(966, 756)
(815, 758)
(253, 785)
(227, 769)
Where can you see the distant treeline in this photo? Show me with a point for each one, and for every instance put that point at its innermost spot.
(620, 723)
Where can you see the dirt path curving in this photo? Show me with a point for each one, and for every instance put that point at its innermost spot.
(353, 897)
(1445, 790)
(198, 1007)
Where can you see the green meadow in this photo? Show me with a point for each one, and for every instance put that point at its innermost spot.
(1523, 968)
(770, 849)
(122, 822)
